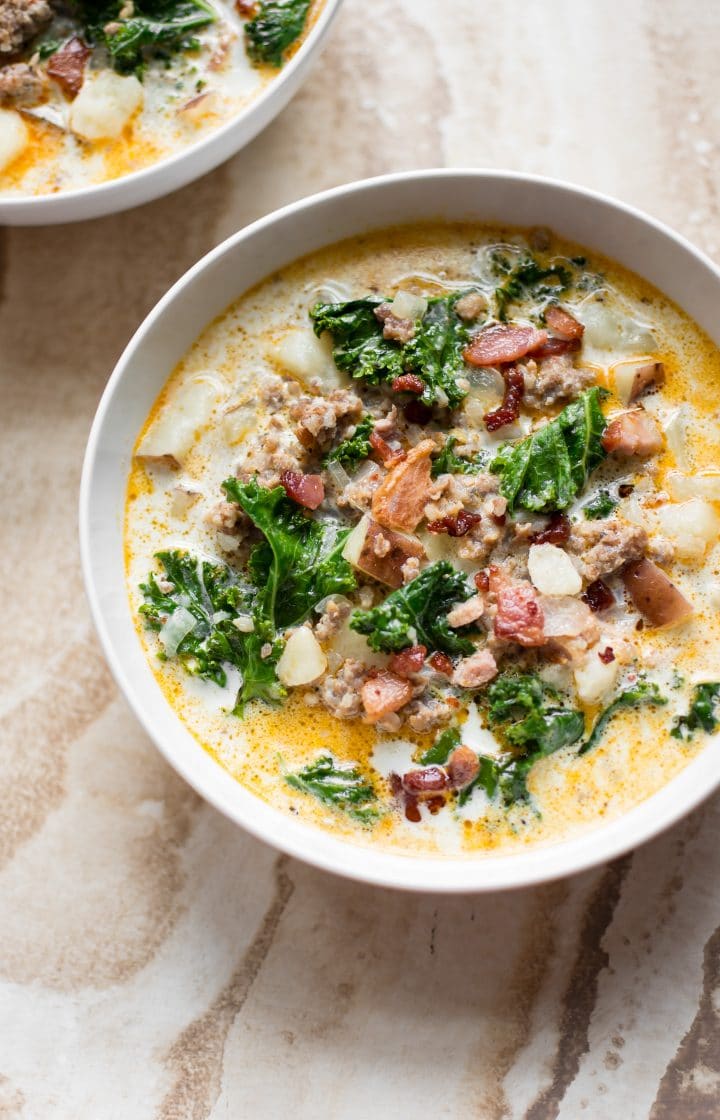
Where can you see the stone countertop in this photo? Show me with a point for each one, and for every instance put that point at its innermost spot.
(157, 963)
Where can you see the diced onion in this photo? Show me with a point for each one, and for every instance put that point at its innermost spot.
(675, 428)
(303, 660)
(407, 305)
(180, 623)
(609, 327)
(244, 623)
(338, 474)
(552, 571)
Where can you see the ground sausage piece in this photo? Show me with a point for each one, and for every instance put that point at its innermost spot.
(554, 379)
(399, 501)
(340, 694)
(476, 670)
(318, 417)
(394, 328)
(462, 767)
(502, 344)
(465, 613)
(471, 306)
(602, 547)
(519, 615)
(633, 433)
(20, 22)
(20, 86)
(383, 694)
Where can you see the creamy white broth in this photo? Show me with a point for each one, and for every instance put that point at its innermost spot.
(570, 792)
(181, 101)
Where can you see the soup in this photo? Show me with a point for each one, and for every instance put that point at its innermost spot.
(422, 539)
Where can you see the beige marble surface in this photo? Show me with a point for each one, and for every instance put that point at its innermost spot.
(156, 963)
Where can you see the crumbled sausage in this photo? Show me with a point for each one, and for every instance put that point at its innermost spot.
(20, 22)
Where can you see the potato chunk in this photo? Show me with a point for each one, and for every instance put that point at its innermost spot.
(14, 137)
(104, 106)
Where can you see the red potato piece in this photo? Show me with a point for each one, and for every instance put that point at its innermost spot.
(384, 451)
(462, 767)
(648, 376)
(410, 660)
(655, 596)
(563, 324)
(633, 433)
(383, 552)
(307, 490)
(400, 499)
(384, 693)
(519, 615)
(501, 344)
(476, 670)
(67, 65)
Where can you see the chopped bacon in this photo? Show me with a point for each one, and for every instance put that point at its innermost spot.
(247, 8)
(384, 693)
(502, 344)
(307, 490)
(410, 660)
(67, 65)
(519, 615)
(417, 412)
(598, 596)
(408, 383)
(431, 779)
(606, 655)
(562, 323)
(556, 531)
(633, 433)
(555, 346)
(455, 525)
(462, 767)
(482, 580)
(476, 670)
(400, 499)
(441, 663)
(385, 453)
(509, 410)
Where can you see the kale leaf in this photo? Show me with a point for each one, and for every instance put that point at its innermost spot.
(213, 596)
(703, 713)
(600, 505)
(276, 27)
(340, 786)
(447, 462)
(527, 281)
(355, 448)
(156, 27)
(643, 692)
(442, 748)
(417, 613)
(300, 561)
(435, 353)
(548, 469)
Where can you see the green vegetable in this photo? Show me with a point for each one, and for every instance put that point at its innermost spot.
(215, 597)
(276, 26)
(355, 448)
(447, 462)
(417, 613)
(600, 505)
(642, 693)
(47, 48)
(488, 778)
(340, 786)
(300, 561)
(442, 748)
(548, 469)
(156, 27)
(527, 281)
(434, 353)
(702, 715)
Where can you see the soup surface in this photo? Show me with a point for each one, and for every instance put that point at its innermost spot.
(91, 90)
(422, 539)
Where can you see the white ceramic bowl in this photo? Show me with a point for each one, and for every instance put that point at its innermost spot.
(594, 221)
(184, 166)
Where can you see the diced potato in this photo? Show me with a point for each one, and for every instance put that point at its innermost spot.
(173, 432)
(104, 105)
(593, 678)
(307, 357)
(692, 526)
(552, 571)
(380, 552)
(14, 137)
(348, 643)
(634, 378)
(182, 499)
(705, 485)
(407, 305)
(303, 660)
(238, 421)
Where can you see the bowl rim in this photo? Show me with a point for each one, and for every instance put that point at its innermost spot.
(208, 151)
(318, 847)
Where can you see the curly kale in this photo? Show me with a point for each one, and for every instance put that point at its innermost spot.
(447, 462)
(703, 713)
(343, 787)
(277, 25)
(355, 448)
(642, 693)
(156, 28)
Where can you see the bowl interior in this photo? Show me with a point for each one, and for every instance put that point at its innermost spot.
(634, 240)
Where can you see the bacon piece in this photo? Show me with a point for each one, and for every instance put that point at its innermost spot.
(385, 453)
(655, 595)
(307, 490)
(455, 525)
(482, 580)
(399, 500)
(598, 596)
(462, 767)
(502, 344)
(441, 663)
(555, 346)
(650, 375)
(417, 412)
(395, 328)
(509, 410)
(247, 8)
(557, 531)
(410, 660)
(408, 383)
(562, 323)
(633, 433)
(67, 66)
(476, 670)
(431, 779)
(384, 693)
(606, 655)
(519, 615)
